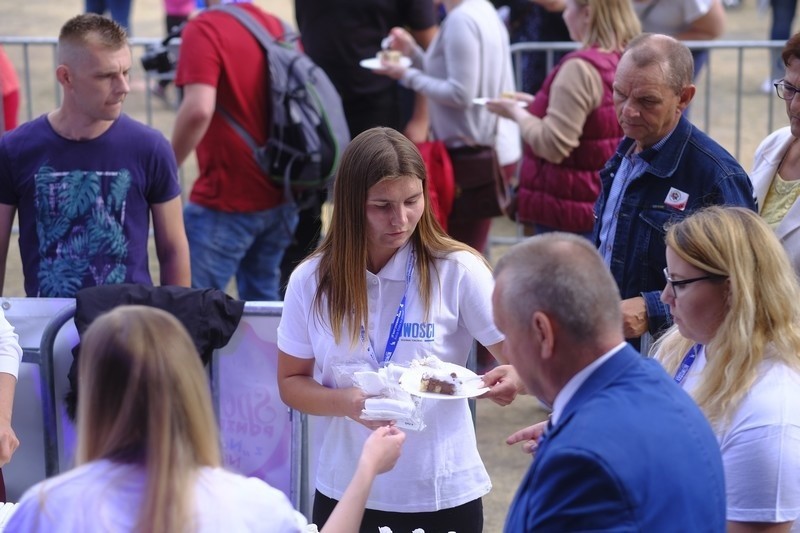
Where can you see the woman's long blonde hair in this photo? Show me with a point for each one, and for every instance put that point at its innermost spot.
(763, 316)
(375, 155)
(612, 24)
(145, 400)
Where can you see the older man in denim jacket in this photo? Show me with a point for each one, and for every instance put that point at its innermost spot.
(664, 169)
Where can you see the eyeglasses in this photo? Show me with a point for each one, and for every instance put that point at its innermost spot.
(675, 283)
(785, 91)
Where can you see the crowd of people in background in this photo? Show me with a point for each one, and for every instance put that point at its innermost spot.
(656, 301)
(569, 130)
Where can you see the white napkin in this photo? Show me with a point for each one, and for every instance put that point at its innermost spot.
(387, 408)
(388, 400)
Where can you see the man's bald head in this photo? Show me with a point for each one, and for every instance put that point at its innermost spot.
(563, 276)
(673, 56)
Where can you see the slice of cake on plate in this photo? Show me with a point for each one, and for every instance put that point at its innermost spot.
(440, 382)
(389, 56)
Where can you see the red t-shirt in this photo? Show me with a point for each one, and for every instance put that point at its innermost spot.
(217, 50)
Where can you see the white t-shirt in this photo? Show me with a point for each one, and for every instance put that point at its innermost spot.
(440, 467)
(10, 351)
(670, 17)
(761, 446)
(103, 496)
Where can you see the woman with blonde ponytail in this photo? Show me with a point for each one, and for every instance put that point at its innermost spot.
(735, 347)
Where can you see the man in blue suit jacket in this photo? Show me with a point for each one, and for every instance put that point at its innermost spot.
(627, 449)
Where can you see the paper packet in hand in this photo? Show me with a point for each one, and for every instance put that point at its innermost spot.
(344, 372)
(388, 401)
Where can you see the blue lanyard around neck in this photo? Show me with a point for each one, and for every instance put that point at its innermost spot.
(397, 324)
(688, 361)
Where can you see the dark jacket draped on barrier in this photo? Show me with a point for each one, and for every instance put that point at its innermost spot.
(209, 315)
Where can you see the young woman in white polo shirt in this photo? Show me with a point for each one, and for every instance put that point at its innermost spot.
(386, 275)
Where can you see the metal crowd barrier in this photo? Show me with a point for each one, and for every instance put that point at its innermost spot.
(41, 354)
(45, 360)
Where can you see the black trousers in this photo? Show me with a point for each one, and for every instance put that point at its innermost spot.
(466, 518)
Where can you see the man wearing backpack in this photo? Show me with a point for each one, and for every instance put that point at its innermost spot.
(237, 221)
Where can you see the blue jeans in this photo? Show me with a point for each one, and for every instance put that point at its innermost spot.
(783, 12)
(120, 10)
(249, 246)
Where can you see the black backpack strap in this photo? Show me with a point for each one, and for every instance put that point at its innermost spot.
(246, 137)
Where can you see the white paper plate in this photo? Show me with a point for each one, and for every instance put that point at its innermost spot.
(411, 378)
(482, 101)
(373, 63)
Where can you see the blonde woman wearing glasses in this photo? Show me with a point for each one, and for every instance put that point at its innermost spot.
(776, 167)
(735, 347)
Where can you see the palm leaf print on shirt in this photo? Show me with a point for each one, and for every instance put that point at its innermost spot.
(80, 218)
